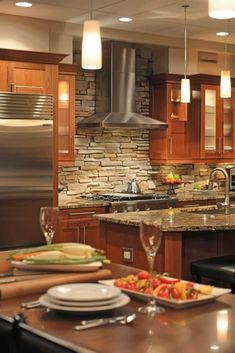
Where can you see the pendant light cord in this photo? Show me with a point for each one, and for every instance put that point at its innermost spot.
(91, 9)
(185, 40)
(226, 46)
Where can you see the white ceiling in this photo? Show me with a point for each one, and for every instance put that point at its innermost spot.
(156, 17)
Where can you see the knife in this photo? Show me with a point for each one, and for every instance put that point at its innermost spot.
(98, 322)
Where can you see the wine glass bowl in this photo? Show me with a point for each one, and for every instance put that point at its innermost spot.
(150, 237)
(48, 222)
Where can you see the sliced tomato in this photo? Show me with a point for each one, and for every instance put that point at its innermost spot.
(156, 282)
(143, 275)
(160, 291)
(147, 290)
(174, 293)
(168, 280)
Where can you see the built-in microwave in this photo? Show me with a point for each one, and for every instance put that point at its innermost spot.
(232, 178)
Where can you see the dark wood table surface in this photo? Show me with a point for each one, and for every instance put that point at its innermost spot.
(205, 328)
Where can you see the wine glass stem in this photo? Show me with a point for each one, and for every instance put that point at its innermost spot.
(151, 259)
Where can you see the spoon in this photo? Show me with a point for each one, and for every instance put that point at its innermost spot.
(127, 319)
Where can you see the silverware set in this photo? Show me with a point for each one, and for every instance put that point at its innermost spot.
(85, 324)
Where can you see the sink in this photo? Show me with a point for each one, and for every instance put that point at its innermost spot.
(211, 211)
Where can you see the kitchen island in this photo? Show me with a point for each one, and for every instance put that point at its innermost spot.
(187, 236)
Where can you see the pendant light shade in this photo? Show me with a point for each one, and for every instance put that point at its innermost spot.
(225, 84)
(185, 82)
(185, 90)
(221, 9)
(225, 79)
(91, 46)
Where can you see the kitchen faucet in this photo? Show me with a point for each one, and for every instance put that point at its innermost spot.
(226, 204)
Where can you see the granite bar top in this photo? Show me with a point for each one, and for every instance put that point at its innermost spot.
(175, 220)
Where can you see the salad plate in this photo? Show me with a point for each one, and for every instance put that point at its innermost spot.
(173, 303)
(85, 292)
(46, 301)
(89, 267)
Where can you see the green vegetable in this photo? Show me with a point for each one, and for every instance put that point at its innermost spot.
(66, 261)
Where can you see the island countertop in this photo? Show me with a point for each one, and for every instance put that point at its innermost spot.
(175, 220)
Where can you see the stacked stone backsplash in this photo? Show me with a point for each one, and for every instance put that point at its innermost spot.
(105, 161)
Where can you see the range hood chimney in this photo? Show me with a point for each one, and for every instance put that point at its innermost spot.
(115, 92)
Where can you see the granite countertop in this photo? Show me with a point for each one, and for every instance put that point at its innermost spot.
(188, 196)
(178, 219)
(82, 203)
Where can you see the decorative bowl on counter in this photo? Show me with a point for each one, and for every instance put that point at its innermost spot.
(171, 180)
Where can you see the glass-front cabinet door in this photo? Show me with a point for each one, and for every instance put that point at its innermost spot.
(217, 125)
(227, 144)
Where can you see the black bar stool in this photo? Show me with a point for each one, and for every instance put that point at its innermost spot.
(217, 268)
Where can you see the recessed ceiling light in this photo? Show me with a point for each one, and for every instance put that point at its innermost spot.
(222, 34)
(24, 4)
(125, 19)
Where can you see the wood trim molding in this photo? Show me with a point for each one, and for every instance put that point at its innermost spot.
(69, 68)
(31, 56)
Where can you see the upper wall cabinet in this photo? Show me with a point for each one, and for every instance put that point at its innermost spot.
(66, 112)
(173, 144)
(29, 72)
(216, 119)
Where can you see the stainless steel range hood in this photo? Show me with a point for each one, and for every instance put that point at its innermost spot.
(115, 92)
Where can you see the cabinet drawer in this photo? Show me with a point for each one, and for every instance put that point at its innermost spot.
(193, 203)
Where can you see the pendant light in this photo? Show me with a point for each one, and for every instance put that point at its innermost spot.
(91, 44)
(221, 9)
(225, 79)
(185, 82)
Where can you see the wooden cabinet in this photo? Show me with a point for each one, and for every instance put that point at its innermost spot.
(216, 120)
(66, 112)
(29, 77)
(174, 143)
(79, 225)
(193, 203)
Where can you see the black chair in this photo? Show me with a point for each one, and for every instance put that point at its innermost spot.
(34, 341)
(221, 269)
(7, 335)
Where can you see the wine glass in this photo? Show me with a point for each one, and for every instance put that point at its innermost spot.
(48, 222)
(150, 237)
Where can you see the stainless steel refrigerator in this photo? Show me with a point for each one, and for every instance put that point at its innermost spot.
(26, 168)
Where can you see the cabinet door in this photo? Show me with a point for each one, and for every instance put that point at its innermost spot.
(79, 225)
(173, 143)
(66, 117)
(29, 77)
(227, 130)
(217, 124)
(210, 124)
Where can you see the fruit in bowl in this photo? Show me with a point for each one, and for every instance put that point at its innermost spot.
(200, 186)
(171, 179)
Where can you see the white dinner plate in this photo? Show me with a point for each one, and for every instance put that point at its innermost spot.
(90, 267)
(176, 304)
(83, 292)
(85, 303)
(46, 301)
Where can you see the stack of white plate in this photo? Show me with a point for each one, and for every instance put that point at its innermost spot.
(84, 297)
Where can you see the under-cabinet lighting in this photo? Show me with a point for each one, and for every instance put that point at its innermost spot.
(63, 94)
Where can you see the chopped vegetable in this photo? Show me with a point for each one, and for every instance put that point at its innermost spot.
(160, 286)
(62, 253)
